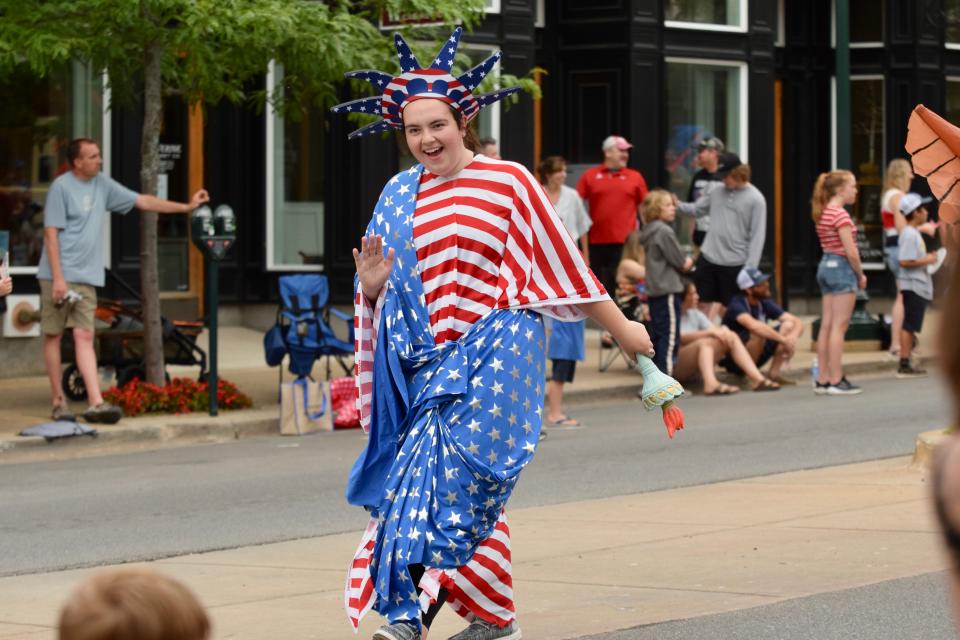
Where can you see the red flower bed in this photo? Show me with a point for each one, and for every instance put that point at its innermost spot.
(180, 395)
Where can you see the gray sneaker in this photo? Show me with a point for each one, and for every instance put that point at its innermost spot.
(104, 413)
(483, 630)
(397, 631)
(62, 412)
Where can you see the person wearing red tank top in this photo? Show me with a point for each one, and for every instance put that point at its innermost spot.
(896, 182)
(839, 275)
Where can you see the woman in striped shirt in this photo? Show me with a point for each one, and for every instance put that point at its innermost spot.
(839, 275)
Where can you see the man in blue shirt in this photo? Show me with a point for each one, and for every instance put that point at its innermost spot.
(71, 266)
(747, 315)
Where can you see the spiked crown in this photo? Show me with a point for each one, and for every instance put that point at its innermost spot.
(416, 82)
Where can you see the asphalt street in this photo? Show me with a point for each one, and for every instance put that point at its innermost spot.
(140, 506)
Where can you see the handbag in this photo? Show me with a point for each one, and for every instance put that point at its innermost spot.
(343, 397)
(305, 407)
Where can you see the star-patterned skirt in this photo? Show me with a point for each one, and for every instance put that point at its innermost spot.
(474, 422)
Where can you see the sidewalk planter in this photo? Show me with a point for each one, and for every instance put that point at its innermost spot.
(180, 395)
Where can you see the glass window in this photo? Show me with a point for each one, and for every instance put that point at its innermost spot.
(866, 21)
(296, 210)
(951, 22)
(867, 156)
(703, 100)
(38, 118)
(729, 13)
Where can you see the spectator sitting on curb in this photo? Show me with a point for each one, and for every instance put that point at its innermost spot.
(747, 315)
(132, 604)
(631, 293)
(6, 286)
(703, 345)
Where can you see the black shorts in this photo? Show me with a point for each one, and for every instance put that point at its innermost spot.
(914, 307)
(769, 348)
(563, 370)
(716, 283)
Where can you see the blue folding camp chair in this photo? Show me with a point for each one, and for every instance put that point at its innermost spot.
(303, 327)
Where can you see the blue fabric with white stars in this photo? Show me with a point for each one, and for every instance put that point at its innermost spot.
(452, 424)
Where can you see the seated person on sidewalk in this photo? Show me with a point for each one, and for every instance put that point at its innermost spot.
(132, 604)
(703, 345)
(631, 294)
(6, 286)
(914, 280)
(747, 315)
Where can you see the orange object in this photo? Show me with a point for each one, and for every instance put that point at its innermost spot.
(673, 418)
(934, 146)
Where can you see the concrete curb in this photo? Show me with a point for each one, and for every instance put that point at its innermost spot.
(232, 425)
(926, 443)
(236, 425)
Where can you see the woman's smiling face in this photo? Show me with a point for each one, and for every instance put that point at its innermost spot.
(434, 138)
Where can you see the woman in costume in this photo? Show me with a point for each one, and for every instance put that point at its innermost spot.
(450, 354)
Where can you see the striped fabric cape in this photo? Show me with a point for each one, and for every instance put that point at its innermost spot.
(451, 426)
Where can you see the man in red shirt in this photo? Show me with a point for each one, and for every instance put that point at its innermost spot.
(612, 193)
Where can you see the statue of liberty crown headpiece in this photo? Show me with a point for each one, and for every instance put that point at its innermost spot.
(415, 82)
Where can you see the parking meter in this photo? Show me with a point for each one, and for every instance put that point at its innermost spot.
(214, 233)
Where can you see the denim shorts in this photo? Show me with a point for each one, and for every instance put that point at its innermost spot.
(835, 275)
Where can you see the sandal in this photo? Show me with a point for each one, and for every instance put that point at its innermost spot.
(767, 385)
(564, 422)
(723, 390)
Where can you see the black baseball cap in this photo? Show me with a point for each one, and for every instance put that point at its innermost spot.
(727, 163)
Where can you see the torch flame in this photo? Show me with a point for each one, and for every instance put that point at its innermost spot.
(672, 418)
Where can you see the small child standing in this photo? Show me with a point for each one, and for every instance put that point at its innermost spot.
(914, 280)
(665, 261)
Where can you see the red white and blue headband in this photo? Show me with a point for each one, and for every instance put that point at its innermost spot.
(416, 82)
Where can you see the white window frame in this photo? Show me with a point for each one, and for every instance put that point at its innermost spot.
(743, 68)
(540, 17)
(706, 26)
(106, 141)
(493, 6)
(271, 186)
(867, 266)
(781, 40)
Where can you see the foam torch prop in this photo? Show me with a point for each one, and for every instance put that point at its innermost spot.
(934, 146)
(660, 390)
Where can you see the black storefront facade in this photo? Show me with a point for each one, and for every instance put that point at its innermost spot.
(663, 73)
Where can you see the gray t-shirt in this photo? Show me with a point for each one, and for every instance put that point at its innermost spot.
(738, 224)
(694, 320)
(79, 208)
(914, 279)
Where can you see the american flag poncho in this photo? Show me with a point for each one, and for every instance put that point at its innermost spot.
(450, 375)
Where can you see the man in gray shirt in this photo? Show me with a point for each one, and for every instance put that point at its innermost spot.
(738, 227)
(71, 266)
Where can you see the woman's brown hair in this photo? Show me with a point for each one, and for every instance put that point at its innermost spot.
(827, 186)
(549, 166)
(470, 140)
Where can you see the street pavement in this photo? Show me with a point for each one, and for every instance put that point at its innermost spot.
(700, 537)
